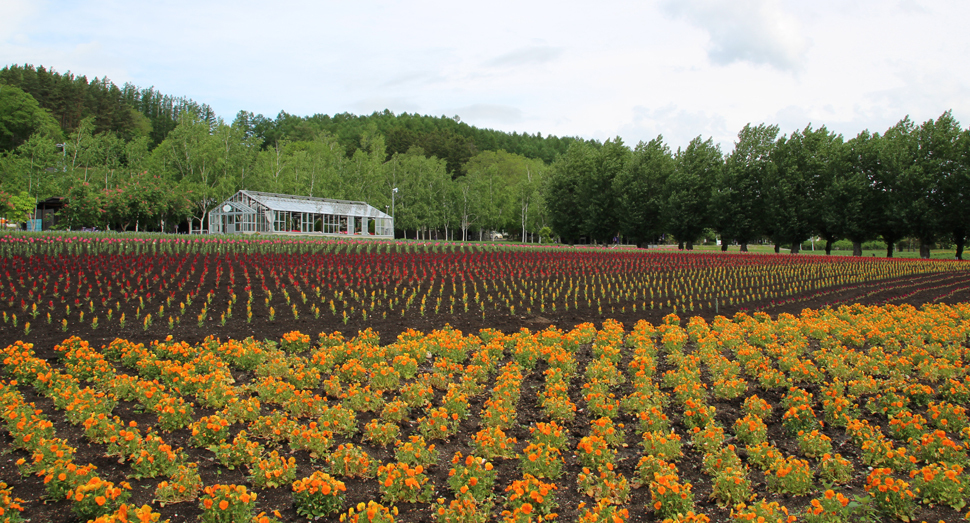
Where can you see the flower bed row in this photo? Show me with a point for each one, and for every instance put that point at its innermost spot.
(836, 414)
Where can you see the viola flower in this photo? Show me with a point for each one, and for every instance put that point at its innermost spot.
(183, 485)
(892, 496)
(669, 496)
(401, 482)
(227, 504)
(318, 495)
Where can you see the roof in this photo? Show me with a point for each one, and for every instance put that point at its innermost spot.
(310, 204)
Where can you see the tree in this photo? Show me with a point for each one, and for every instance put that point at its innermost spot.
(938, 182)
(601, 217)
(687, 193)
(794, 190)
(419, 181)
(849, 207)
(529, 198)
(925, 157)
(639, 190)
(365, 170)
(81, 149)
(21, 117)
(34, 167)
(494, 175)
(956, 188)
(236, 154)
(465, 204)
(84, 206)
(273, 169)
(895, 160)
(565, 194)
(16, 207)
(740, 191)
(189, 158)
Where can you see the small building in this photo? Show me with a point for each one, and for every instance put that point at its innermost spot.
(46, 215)
(248, 212)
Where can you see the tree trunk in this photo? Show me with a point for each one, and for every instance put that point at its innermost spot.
(723, 246)
(960, 248)
(680, 246)
(744, 247)
(924, 250)
(777, 248)
(828, 247)
(796, 248)
(689, 245)
(857, 248)
(890, 247)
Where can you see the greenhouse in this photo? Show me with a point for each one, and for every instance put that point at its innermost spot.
(248, 212)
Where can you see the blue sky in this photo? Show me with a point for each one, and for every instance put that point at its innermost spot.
(635, 69)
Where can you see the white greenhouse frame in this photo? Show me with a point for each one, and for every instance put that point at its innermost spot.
(249, 212)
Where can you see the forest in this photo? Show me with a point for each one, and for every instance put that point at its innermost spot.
(132, 158)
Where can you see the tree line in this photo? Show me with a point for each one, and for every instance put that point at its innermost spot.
(459, 182)
(105, 147)
(910, 181)
(128, 111)
(122, 185)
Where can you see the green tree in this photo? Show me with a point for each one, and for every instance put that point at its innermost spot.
(938, 183)
(601, 216)
(529, 198)
(84, 206)
(740, 192)
(639, 190)
(494, 176)
(419, 180)
(849, 207)
(466, 204)
(794, 191)
(35, 167)
(924, 157)
(365, 170)
(956, 187)
(518, 204)
(896, 157)
(272, 168)
(16, 207)
(21, 117)
(565, 196)
(687, 193)
(189, 159)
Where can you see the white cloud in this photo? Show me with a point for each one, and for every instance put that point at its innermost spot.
(629, 68)
(15, 13)
(528, 56)
(377, 103)
(486, 115)
(756, 31)
(677, 125)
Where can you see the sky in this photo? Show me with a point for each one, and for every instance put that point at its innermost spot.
(628, 69)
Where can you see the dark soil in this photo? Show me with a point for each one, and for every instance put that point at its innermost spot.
(945, 287)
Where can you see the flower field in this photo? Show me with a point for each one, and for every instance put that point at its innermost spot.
(220, 381)
(143, 289)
